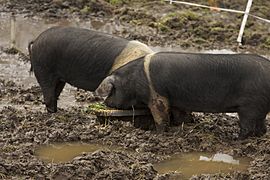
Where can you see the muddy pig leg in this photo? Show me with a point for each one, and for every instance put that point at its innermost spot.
(260, 128)
(160, 112)
(48, 84)
(252, 122)
(50, 100)
(177, 117)
(51, 95)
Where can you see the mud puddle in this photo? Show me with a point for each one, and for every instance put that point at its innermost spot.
(64, 152)
(189, 164)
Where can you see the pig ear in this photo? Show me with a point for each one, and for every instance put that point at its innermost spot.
(105, 87)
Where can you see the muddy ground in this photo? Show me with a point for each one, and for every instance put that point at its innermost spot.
(24, 123)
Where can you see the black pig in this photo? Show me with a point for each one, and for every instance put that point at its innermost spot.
(194, 82)
(80, 57)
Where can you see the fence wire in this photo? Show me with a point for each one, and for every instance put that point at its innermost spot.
(218, 8)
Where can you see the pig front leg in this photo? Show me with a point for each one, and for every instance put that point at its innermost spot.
(160, 111)
(252, 121)
(178, 116)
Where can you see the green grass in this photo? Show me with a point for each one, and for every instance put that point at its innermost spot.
(97, 106)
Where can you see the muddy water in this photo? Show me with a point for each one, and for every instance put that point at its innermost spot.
(64, 152)
(189, 164)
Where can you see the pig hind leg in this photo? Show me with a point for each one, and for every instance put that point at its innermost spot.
(177, 117)
(49, 99)
(51, 89)
(252, 122)
(51, 95)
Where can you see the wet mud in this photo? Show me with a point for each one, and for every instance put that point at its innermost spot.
(25, 126)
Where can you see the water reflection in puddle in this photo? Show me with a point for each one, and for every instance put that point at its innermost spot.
(64, 152)
(189, 164)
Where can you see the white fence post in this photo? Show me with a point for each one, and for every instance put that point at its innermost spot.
(244, 21)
